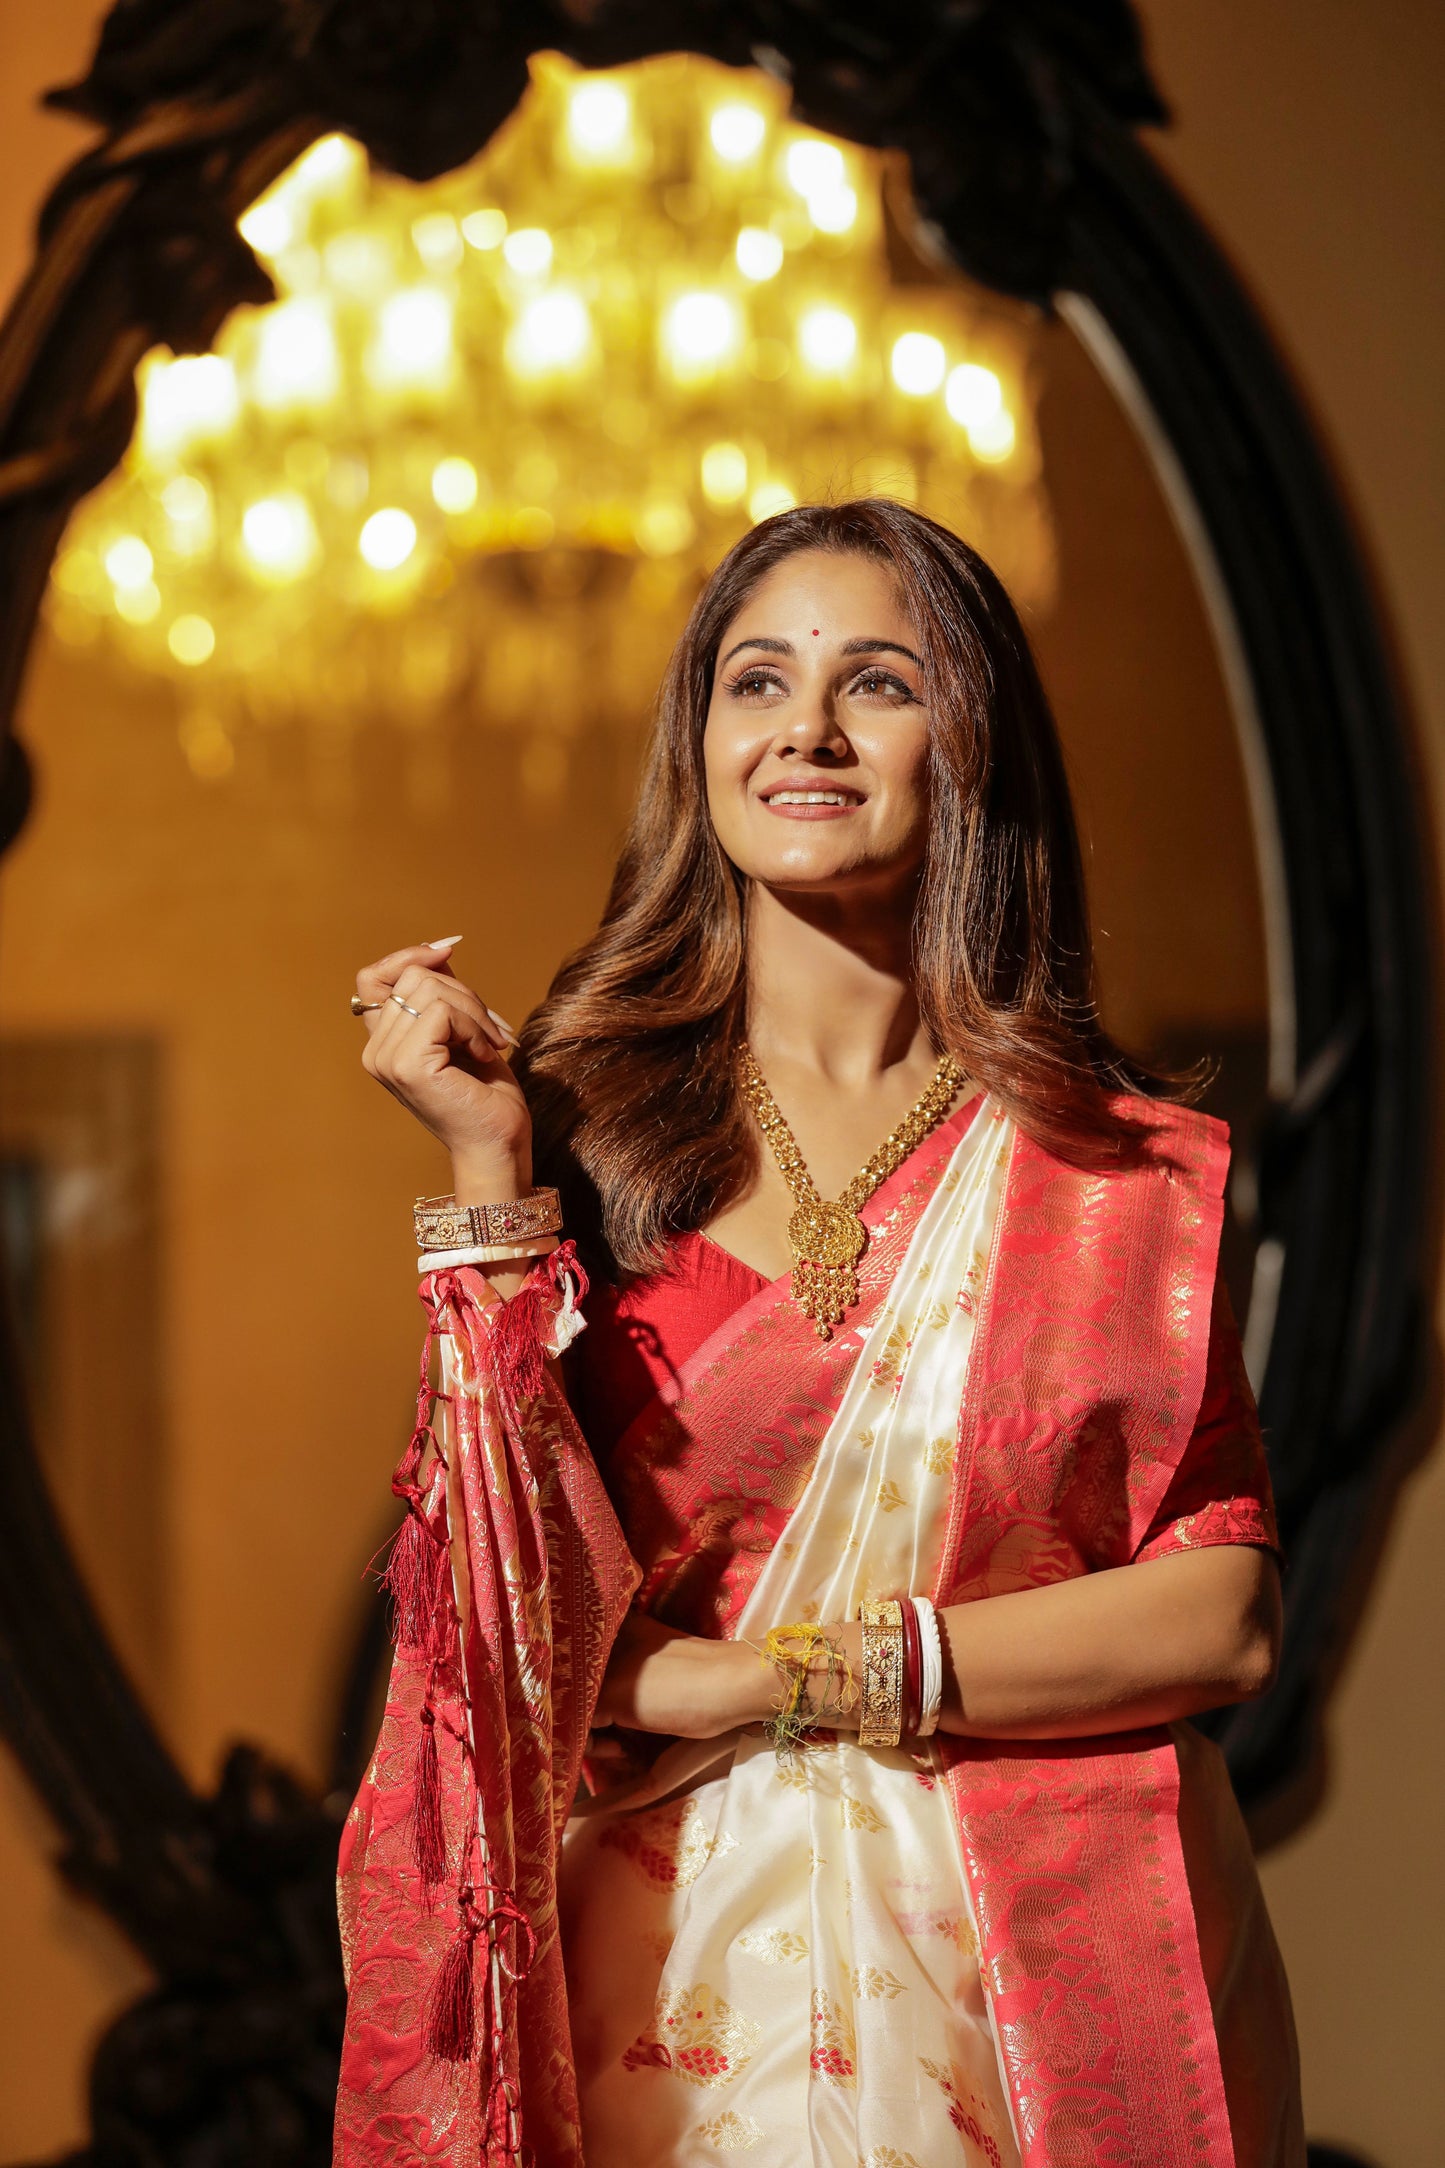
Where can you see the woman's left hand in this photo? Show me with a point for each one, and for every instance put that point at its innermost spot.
(691, 1687)
(682, 1684)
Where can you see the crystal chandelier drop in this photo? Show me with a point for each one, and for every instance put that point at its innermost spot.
(476, 458)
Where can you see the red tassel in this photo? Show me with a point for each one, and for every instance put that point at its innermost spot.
(415, 1577)
(429, 1841)
(517, 1344)
(564, 1263)
(450, 2030)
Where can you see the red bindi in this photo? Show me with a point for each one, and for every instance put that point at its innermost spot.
(815, 632)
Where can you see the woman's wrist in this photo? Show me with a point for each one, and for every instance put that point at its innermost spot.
(734, 1685)
(495, 1176)
(848, 1640)
(491, 1177)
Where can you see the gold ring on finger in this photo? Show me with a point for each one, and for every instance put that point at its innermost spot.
(360, 1007)
(405, 1005)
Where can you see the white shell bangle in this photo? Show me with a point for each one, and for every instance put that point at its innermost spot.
(486, 1253)
(930, 1650)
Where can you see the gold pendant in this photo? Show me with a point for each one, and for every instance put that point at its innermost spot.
(826, 1240)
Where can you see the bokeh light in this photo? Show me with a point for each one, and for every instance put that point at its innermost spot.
(918, 362)
(387, 539)
(736, 132)
(827, 339)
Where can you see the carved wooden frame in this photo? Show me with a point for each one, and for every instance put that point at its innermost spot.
(1018, 118)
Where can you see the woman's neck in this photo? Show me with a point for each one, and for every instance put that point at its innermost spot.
(830, 989)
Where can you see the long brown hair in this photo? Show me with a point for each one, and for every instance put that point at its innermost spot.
(628, 1063)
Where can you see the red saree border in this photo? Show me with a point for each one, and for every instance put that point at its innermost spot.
(1101, 2009)
(707, 1475)
(1088, 1368)
(1084, 1384)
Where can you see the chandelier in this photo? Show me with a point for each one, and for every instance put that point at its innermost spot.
(477, 457)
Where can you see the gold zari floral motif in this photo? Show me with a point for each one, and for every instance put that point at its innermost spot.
(698, 2035)
(732, 2133)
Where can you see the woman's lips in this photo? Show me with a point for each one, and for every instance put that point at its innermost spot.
(811, 805)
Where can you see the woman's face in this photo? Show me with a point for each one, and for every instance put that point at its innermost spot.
(816, 744)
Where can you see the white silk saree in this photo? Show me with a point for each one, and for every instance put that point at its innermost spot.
(1049, 1954)
(967, 1954)
(780, 1961)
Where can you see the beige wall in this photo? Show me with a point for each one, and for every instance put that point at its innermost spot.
(1311, 137)
(1307, 138)
(76, 1969)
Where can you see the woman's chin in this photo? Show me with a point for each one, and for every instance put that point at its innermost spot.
(812, 857)
(811, 872)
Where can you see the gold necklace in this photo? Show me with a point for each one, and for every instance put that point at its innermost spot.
(827, 1240)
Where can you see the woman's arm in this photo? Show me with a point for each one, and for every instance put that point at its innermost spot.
(1110, 1651)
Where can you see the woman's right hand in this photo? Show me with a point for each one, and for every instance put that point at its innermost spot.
(447, 1065)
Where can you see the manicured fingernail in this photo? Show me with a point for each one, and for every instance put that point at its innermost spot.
(502, 1025)
(450, 941)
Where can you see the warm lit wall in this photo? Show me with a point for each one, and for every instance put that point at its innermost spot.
(1306, 138)
(64, 1969)
(1312, 139)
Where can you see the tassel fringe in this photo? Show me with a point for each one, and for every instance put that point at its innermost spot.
(429, 1842)
(415, 1578)
(519, 1327)
(452, 2011)
(517, 1344)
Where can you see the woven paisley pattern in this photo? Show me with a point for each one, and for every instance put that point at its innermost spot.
(1083, 1394)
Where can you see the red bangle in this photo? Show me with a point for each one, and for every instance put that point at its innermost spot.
(912, 1670)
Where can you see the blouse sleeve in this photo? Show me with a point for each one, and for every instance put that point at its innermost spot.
(1220, 1492)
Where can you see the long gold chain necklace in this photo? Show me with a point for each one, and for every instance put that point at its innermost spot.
(827, 1240)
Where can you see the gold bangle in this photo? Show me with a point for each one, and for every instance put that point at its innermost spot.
(880, 1719)
(440, 1223)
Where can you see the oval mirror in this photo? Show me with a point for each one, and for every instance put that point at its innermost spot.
(355, 645)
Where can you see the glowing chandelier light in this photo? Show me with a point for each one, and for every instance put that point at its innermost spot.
(654, 310)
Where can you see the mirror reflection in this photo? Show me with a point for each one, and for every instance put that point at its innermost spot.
(358, 648)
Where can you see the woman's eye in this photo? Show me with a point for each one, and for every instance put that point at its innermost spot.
(873, 684)
(752, 682)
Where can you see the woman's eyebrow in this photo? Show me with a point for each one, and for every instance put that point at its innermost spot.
(772, 647)
(873, 647)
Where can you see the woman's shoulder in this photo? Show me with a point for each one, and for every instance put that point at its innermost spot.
(1175, 1129)
(1161, 1137)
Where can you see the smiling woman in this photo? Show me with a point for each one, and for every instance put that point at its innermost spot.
(874, 1639)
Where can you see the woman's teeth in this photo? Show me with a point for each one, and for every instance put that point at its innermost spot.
(811, 797)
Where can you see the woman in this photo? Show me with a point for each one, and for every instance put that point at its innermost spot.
(934, 1492)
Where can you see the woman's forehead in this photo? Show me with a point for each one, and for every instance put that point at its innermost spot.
(818, 592)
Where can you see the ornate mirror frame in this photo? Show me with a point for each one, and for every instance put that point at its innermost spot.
(1018, 119)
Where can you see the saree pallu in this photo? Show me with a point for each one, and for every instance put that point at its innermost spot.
(1047, 1954)
(510, 1578)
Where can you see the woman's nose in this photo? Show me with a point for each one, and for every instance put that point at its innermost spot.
(810, 727)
